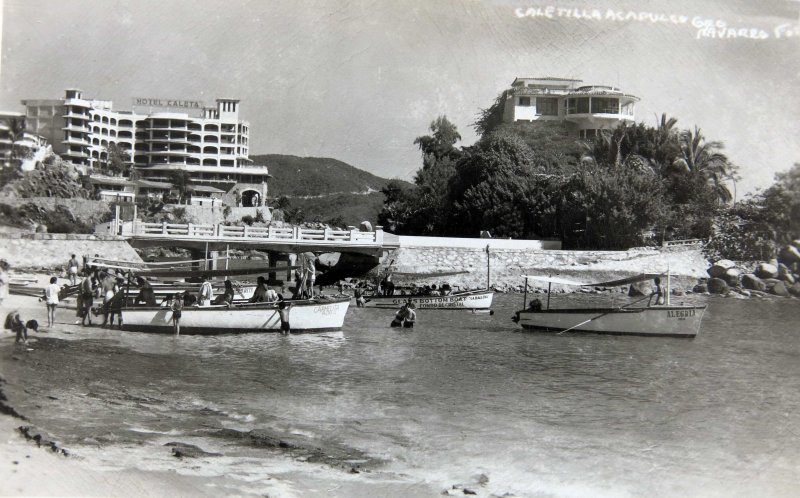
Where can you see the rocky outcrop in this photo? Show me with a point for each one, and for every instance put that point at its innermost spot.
(718, 286)
(752, 282)
(776, 278)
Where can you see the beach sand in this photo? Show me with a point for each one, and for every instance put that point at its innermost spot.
(27, 469)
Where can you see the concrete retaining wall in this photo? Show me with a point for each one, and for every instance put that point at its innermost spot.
(507, 266)
(205, 215)
(53, 250)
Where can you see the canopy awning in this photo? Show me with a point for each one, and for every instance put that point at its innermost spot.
(642, 277)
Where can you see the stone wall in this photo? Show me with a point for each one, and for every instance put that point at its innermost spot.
(205, 215)
(507, 266)
(53, 250)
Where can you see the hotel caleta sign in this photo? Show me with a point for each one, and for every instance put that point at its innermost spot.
(170, 103)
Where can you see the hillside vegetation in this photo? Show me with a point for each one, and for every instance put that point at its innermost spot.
(324, 189)
(294, 176)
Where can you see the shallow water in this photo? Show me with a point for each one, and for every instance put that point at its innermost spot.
(460, 399)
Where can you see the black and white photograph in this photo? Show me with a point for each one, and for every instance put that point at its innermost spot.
(400, 248)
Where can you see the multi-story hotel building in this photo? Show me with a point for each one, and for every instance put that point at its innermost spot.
(210, 143)
(583, 109)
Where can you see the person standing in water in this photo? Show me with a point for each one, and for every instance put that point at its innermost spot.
(176, 307)
(283, 312)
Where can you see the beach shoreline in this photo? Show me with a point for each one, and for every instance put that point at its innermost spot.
(34, 463)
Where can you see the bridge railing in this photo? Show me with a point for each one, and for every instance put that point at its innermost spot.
(204, 231)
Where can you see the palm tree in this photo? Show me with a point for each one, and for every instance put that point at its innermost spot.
(701, 157)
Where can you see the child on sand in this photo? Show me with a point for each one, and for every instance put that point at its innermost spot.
(176, 306)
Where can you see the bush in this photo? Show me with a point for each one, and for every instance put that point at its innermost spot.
(247, 219)
(259, 216)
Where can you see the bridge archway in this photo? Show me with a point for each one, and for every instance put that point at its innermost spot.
(251, 198)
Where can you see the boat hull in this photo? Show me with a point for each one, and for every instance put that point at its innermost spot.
(304, 316)
(668, 321)
(473, 300)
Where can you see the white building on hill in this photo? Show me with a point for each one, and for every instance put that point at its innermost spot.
(585, 109)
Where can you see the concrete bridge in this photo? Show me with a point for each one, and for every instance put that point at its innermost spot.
(217, 237)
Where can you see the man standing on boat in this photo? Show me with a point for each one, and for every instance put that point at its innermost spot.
(206, 292)
(660, 293)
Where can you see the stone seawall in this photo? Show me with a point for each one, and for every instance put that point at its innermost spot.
(507, 266)
(81, 208)
(51, 251)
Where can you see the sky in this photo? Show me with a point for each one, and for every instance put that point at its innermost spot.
(358, 81)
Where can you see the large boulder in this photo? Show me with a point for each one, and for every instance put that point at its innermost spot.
(785, 274)
(795, 289)
(778, 288)
(766, 270)
(717, 286)
(700, 288)
(789, 255)
(640, 289)
(731, 277)
(719, 268)
(750, 281)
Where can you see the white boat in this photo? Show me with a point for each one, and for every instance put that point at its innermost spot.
(465, 300)
(656, 320)
(308, 315)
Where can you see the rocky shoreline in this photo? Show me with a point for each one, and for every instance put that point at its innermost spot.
(779, 277)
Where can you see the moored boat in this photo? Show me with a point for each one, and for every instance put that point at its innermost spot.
(656, 320)
(464, 300)
(307, 315)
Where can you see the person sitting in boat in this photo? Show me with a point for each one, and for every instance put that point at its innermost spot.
(446, 289)
(206, 292)
(260, 294)
(435, 291)
(146, 294)
(535, 305)
(167, 301)
(227, 296)
(659, 292)
(270, 295)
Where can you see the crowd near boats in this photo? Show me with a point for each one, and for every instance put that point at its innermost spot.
(183, 297)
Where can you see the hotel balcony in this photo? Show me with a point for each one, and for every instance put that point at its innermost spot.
(81, 155)
(76, 128)
(76, 140)
(77, 102)
(75, 115)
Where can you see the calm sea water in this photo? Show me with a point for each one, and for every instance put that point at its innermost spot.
(460, 399)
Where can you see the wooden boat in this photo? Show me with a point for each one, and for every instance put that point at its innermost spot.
(305, 315)
(308, 315)
(464, 300)
(657, 320)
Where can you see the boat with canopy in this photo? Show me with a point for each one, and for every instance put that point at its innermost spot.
(319, 314)
(653, 320)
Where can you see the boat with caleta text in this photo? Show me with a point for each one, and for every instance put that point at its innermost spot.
(304, 315)
(646, 320)
(480, 299)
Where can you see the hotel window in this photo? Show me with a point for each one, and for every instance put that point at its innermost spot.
(605, 106)
(525, 101)
(589, 134)
(582, 105)
(546, 106)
